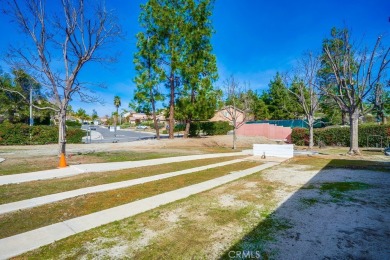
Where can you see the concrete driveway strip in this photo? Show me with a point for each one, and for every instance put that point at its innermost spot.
(38, 201)
(102, 167)
(21, 243)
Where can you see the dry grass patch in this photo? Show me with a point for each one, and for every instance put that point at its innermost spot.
(318, 163)
(28, 163)
(24, 220)
(27, 190)
(199, 227)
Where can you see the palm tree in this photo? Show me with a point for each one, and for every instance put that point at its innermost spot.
(117, 104)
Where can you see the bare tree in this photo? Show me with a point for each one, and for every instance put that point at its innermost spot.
(73, 38)
(237, 105)
(357, 74)
(305, 89)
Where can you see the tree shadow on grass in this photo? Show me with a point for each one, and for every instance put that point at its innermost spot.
(343, 212)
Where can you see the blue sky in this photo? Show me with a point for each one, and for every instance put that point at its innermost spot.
(254, 39)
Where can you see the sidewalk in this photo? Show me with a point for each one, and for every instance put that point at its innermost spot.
(38, 201)
(102, 167)
(21, 243)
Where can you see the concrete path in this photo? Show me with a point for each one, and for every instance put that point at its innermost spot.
(102, 167)
(21, 243)
(38, 201)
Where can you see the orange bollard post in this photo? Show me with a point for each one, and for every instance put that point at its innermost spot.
(62, 163)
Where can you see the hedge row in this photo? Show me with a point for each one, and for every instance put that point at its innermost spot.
(73, 123)
(210, 128)
(19, 134)
(340, 136)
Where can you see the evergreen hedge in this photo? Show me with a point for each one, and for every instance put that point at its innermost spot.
(19, 134)
(210, 128)
(339, 136)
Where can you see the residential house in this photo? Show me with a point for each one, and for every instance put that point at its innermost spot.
(227, 114)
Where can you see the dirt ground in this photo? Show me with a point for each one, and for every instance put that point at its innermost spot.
(143, 145)
(281, 213)
(326, 213)
(333, 224)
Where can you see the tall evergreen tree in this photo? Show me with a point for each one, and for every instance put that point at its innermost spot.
(166, 20)
(180, 50)
(199, 99)
(281, 104)
(147, 80)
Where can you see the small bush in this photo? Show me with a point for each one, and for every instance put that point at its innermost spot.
(300, 136)
(73, 124)
(73, 135)
(210, 128)
(151, 124)
(179, 128)
(22, 134)
(370, 135)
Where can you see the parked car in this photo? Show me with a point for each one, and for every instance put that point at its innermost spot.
(92, 128)
(141, 127)
(387, 151)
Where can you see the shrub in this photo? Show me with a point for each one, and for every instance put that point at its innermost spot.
(210, 128)
(369, 134)
(300, 136)
(151, 124)
(73, 135)
(22, 134)
(179, 128)
(73, 124)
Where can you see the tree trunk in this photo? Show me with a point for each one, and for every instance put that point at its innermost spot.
(234, 131)
(383, 118)
(187, 130)
(62, 131)
(116, 119)
(234, 138)
(189, 119)
(343, 117)
(354, 135)
(156, 123)
(154, 116)
(172, 106)
(310, 120)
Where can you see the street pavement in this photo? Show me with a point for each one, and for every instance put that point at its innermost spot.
(103, 134)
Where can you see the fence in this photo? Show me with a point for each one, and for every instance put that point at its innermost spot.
(266, 130)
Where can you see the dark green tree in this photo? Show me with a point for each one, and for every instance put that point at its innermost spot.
(258, 108)
(166, 21)
(198, 99)
(15, 97)
(281, 104)
(179, 40)
(147, 80)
